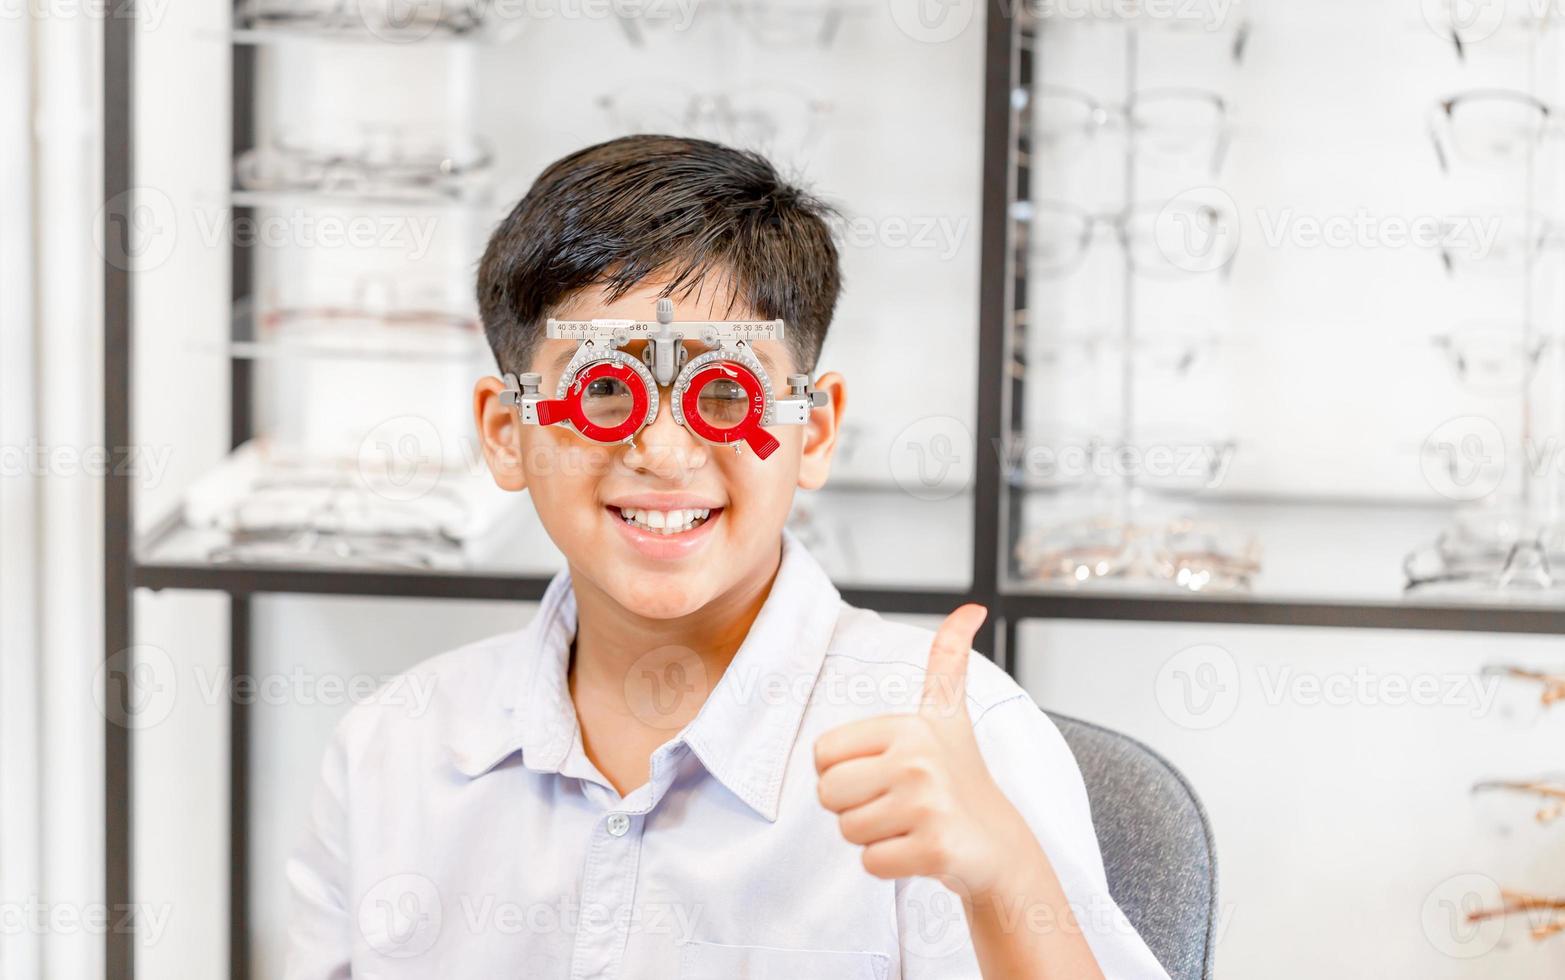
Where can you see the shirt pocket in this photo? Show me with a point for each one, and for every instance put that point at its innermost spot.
(713, 961)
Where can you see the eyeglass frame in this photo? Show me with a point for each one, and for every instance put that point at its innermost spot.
(1444, 110)
(335, 16)
(665, 363)
(1102, 112)
(336, 165)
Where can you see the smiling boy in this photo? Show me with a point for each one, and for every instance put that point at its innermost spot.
(697, 761)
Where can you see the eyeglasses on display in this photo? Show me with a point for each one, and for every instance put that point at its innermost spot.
(374, 162)
(1169, 124)
(1489, 127)
(1161, 239)
(1185, 554)
(1496, 245)
(375, 19)
(767, 116)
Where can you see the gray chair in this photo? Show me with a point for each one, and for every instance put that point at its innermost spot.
(1157, 845)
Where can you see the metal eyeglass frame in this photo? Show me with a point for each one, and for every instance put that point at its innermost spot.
(665, 363)
(1131, 226)
(1442, 119)
(1131, 114)
(458, 18)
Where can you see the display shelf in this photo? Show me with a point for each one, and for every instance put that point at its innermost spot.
(478, 204)
(347, 332)
(846, 530)
(1259, 611)
(1322, 564)
(1317, 552)
(246, 34)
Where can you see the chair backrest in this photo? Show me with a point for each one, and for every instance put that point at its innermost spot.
(1157, 845)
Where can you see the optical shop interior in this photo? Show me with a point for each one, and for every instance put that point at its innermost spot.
(793, 489)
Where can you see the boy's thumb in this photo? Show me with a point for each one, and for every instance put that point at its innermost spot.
(945, 679)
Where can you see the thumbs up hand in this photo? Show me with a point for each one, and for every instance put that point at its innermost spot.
(913, 789)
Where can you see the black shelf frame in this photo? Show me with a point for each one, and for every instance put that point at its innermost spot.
(119, 178)
(1006, 607)
(1007, 66)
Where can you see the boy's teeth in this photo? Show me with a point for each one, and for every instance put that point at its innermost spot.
(665, 521)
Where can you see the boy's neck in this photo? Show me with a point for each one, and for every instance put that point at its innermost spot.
(621, 664)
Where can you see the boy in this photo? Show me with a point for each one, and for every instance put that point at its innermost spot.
(697, 761)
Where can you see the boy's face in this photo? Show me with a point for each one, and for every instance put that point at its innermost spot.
(581, 489)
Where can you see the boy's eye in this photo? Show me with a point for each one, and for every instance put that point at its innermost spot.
(606, 401)
(723, 403)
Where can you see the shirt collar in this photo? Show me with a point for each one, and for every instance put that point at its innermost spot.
(744, 732)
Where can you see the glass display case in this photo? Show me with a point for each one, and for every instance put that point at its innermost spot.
(1279, 347)
(1146, 317)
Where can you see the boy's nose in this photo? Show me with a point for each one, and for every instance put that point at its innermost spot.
(665, 448)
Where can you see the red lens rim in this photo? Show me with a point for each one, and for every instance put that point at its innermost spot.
(731, 371)
(638, 401)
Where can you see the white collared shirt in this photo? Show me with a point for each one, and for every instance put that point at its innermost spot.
(469, 836)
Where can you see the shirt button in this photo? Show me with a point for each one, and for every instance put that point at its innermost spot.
(618, 824)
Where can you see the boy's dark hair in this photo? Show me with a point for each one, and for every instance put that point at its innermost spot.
(693, 210)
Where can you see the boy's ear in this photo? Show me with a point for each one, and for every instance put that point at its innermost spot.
(820, 435)
(499, 434)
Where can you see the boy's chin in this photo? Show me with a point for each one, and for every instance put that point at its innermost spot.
(657, 599)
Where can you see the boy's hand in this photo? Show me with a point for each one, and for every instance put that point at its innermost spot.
(913, 788)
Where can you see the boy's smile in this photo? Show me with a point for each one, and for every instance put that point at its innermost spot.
(669, 522)
(665, 527)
